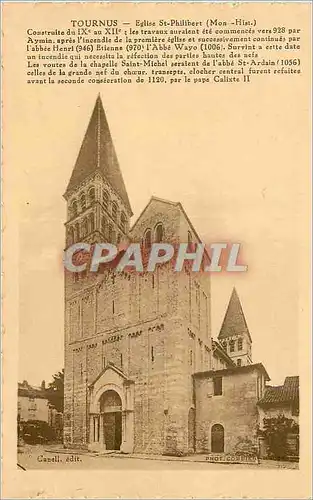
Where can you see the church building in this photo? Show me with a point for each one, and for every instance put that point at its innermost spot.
(142, 371)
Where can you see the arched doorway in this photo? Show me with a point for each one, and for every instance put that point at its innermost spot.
(191, 429)
(217, 438)
(111, 408)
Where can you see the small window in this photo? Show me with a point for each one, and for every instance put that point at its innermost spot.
(114, 210)
(152, 354)
(123, 222)
(113, 306)
(218, 386)
(147, 239)
(239, 344)
(224, 345)
(238, 362)
(74, 208)
(92, 195)
(83, 202)
(232, 346)
(105, 198)
(159, 233)
(92, 223)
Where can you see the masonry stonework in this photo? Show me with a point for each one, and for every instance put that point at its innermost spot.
(140, 360)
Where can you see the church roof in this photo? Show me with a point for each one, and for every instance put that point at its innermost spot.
(110, 366)
(97, 153)
(233, 370)
(234, 321)
(220, 352)
(282, 394)
(28, 391)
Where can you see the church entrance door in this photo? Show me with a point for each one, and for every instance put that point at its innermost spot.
(111, 407)
(112, 430)
(217, 439)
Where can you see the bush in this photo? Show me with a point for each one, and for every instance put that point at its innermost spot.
(275, 432)
(37, 432)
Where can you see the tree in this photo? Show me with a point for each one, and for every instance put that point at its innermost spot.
(276, 432)
(55, 391)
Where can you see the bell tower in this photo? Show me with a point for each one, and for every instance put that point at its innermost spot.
(98, 208)
(234, 335)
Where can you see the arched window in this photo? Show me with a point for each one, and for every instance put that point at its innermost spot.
(159, 233)
(105, 198)
(84, 227)
(239, 362)
(114, 210)
(239, 344)
(224, 345)
(123, 221)
(103, 226)
(217, 438)
(232, 346)
(91, 223)
(91, 195)
(147, 239)
(74, 210)
(83, 202)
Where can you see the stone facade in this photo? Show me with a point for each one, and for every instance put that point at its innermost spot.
(140, 362)
(233, 406)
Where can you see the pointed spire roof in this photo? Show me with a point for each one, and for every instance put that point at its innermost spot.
(97, 153)
(234, 321)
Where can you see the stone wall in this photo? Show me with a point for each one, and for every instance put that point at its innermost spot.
(154, 327)
(235, 410)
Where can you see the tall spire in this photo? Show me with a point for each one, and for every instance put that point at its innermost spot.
(97, 153)
(234, 321)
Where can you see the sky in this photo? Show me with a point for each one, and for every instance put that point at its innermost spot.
(230, 156)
